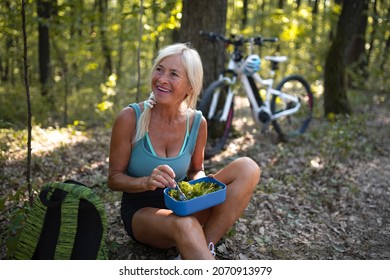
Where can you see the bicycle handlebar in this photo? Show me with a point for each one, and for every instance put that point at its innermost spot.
(237, 40)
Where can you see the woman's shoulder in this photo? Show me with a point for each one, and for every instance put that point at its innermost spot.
(128, 115)
(137, 106)
(132, 109)
(198, 116)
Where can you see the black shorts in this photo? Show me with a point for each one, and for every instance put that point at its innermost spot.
(132, 202)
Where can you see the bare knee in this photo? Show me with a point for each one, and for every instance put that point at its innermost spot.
(248, 168)
(243, 171)
(184, 227)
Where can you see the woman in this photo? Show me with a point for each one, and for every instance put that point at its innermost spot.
(162, 140)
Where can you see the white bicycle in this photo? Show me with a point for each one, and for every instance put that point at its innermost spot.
(288, 106)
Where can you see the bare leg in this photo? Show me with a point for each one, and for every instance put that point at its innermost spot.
(162, 229)
(241, 177)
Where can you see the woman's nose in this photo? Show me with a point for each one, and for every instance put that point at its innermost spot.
(163, 78)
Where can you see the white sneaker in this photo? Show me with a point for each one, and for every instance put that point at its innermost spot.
(211, 248)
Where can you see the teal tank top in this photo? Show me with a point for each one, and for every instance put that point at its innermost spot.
(143, 160)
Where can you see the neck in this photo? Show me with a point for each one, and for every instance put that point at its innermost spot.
(168, 114)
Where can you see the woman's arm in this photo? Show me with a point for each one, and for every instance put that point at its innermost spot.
(120, 150)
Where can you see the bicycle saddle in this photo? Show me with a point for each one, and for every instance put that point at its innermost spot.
(276, 58)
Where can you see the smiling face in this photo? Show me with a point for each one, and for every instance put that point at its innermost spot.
(170, 81)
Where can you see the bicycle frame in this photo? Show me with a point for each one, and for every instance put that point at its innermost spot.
(266, 106)
(256, 108)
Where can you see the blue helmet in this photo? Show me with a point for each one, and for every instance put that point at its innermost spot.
(251, 65)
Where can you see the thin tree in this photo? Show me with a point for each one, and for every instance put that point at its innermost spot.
(374, 26)
(244, 19)
(106, 49)
(44, 11)
(141, 12)
(386, 53)
(29, 114)
(121, 39)
(64, 72)
(5, 56)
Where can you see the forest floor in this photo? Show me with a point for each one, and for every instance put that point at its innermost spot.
(325, 195)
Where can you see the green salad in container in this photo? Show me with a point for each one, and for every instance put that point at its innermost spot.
(194, 190)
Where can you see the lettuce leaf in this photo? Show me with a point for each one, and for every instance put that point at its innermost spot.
(194, 190)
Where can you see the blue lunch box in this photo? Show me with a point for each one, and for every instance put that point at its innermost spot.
(185, 208)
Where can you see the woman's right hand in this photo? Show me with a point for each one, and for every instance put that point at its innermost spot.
(162, 176)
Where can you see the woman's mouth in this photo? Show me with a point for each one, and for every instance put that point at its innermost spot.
(163, 90)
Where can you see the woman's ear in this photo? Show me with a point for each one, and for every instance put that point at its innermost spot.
(190, 91)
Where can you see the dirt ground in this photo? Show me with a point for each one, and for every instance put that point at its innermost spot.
(325, 195)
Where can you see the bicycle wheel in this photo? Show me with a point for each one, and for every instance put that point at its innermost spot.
(296, 123)
(217, 130)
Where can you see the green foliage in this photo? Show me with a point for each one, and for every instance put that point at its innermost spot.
(12, 106)
(17, 217)
(14, 230)
(78, 62)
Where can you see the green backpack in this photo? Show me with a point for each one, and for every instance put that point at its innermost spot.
(67, 221)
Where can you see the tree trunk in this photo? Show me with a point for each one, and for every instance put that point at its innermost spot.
(5, 67)
(44, 8)
(207, 16)
(61, 56)
(244, 14)
(29, 114)
(280, 4)
(141, 14)
(315, 24)
(121, 40)
(315, 7)
(355, 53)
(374, 26)
(106, 50)
(385, 53)
(5, 57)
(335, 97)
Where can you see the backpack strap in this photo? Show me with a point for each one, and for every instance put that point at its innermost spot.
(67, 234)
(73, 220)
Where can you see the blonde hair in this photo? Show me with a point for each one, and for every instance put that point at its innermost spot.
(194, 69)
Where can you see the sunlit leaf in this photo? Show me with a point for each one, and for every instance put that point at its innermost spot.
(103, 106)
